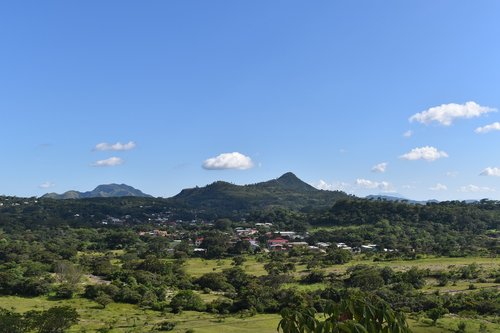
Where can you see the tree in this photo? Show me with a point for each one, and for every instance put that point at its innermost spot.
(365, 277)
(68, 273)
(11, 322)
(216, 244)
(223, 224)
(238, 260)
(276, 267)
(54, 320)
(187, 300)
(103, 299)
(338, 256)
(435, 313)
(214, 281)
(354, 314)
(65, 291)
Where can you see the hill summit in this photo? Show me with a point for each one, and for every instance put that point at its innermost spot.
(286, 191)
(101, 191)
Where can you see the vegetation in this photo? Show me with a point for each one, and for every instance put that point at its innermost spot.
(352, 263)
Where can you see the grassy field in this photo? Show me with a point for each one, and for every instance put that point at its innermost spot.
(126, 318)
(432, 263)
(130, 318)
(198, 266)
(450, 324)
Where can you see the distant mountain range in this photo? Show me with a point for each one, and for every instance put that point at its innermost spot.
(398, 198)
(101, 191)
(225, 199)
(286, 191)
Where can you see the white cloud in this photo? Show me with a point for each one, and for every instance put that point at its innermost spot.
(424, 153)
(369, 184)
(408, 133)
(439, 187)
(408, 187)
(46, 185)
(491, 172)
(233, 160)
(337, 186)
(488, 128)
(103, 146)
(452, 174)
(445, 114)
(112, 161)
(475, 189)
(381, 167)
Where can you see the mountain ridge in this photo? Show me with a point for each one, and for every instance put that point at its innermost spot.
(285, 191)
(101, 191)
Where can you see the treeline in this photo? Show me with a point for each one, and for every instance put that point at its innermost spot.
(449, 228)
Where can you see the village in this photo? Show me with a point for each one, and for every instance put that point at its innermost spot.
(262, 237)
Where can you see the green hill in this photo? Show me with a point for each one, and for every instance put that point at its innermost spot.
(286, 191)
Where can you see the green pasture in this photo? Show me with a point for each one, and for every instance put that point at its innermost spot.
(432, 263)
(130, 318)
(199, 266)
(126, 318)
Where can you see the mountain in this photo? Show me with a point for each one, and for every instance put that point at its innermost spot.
(101, 191)
(286, 191)
(399, 199)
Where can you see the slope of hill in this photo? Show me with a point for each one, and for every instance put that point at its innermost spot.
(286, 191)
(101, 191)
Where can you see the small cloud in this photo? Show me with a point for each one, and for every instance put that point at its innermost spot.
(452, 174)
(225, 161)
(46, 185)
(343, 151)
(491, 172)
(475, 189)
(112, 161)
(445, 114)
(424, 153)
(380, 168)
(488, 128)
(439, 187)
(408, 187)
(369, 184)
(104, 146)
(337, 186)
(408, 134)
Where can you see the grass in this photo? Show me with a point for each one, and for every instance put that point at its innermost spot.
(459, 286)
(127, 318)
(130, 318)
(205, 323)
(432, 263)
(305, 287)
(450, 323)
(199, 266)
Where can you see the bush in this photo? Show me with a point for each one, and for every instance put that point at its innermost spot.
(315, 276)
(65, 291)
(187, 300)
(166, 326)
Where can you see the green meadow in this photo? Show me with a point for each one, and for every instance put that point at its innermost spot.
(119, 317)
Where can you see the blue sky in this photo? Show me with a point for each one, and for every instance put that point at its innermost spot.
(325, 89)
